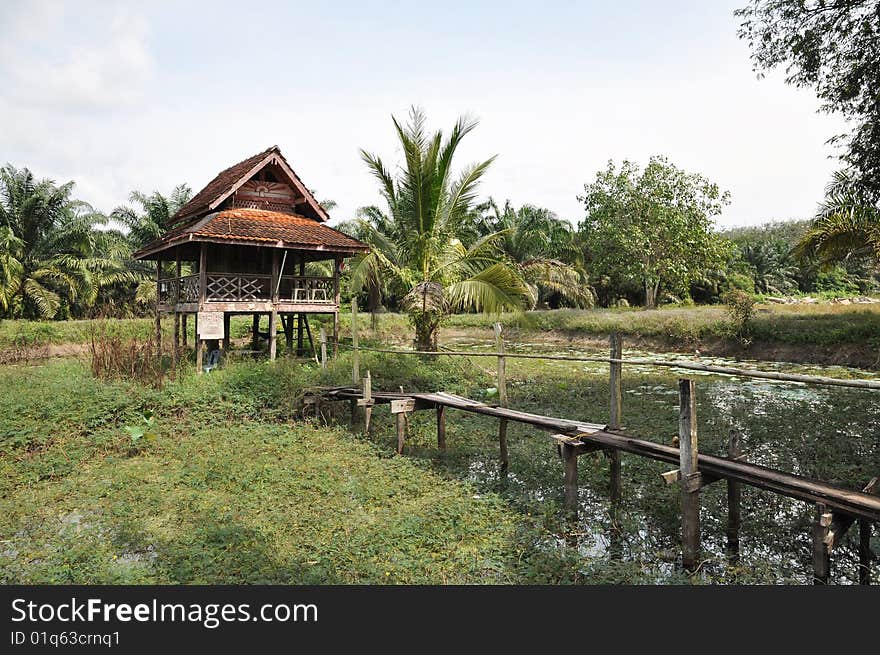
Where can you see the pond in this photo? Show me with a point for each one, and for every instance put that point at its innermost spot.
(828, 433)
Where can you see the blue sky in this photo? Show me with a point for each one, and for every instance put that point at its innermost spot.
(129, 95)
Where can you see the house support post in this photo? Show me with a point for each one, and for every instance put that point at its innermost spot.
(203, 293)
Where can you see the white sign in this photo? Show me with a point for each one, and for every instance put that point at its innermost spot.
(211, 325)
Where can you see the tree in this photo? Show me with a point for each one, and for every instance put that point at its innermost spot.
(847, 224)
(834, 47)
(144, 224)
(418, 246)
(652, 227)
(53, 256)
(544, 249)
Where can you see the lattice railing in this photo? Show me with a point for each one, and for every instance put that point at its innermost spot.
(235, 287)
(174, 290)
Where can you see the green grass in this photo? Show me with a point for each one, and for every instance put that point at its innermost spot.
(821, 324)
(231, 490)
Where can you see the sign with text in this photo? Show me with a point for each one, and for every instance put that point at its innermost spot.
(211, 325)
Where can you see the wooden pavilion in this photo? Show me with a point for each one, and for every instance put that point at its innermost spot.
(246, 239)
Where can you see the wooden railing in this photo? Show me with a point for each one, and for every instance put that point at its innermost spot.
(247, 287)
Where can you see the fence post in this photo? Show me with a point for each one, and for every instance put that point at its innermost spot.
(615, 419)
(355, 356)
(323, 339)
(821, 556)
(441, 427)
(570, 475)
(734, 494)
(690, 477)
(502, 399)
(368, 404)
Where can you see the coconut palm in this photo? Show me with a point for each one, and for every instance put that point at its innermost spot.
(53, 255)
(543, 247)
(847, 223)
(419, 247)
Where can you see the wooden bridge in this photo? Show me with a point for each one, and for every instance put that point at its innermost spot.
(837, 509)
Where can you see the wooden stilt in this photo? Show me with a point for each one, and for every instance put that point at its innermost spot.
(175, 349)
(183, 329)
(864, 552)
(734, 494)
(821, 556)
(570, 475)
(323, 340)
(176, 301)
(227, 324)
(288, 334)
(273, 334)
(441, 427)
(255, 332)
(300, 320)
(203, 294)
(337, 272)
(200, 355)
(158, 312)
(690, 477)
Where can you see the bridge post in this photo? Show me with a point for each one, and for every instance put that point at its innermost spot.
(864, 552)
(821, 555)
(690, 476)
(570, 480)
(504, 456)
(615, 420)
(734, 494)
(441, 427)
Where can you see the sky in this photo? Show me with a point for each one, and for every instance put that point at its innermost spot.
(119, 95)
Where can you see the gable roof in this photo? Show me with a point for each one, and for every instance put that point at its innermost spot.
(229, 180)
(257, 227)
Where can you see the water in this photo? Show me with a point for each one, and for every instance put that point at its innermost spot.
(828, 433)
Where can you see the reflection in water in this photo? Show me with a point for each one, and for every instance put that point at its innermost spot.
(828, 433)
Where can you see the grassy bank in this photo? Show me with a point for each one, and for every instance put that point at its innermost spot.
(821, 324)
(232, 489)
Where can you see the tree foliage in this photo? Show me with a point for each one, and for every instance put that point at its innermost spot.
(832, 46)
(416, 243)
(651, 227)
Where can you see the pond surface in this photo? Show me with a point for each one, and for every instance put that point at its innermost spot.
(828, 433)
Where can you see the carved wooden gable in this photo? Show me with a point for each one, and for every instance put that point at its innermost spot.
(264, 191)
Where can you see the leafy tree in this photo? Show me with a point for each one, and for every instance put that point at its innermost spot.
(53, 256)
(832, 46)
(418, 246)
(543, 247)
(652, 227)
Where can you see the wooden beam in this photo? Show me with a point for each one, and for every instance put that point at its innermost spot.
(255, 331)
(227, 325)
(688, 464)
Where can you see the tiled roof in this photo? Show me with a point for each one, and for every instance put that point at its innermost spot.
(259, 226)
(219, 185)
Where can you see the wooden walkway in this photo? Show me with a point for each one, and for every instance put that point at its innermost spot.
(837, 509)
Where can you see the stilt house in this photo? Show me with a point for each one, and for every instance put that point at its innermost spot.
(246, 239)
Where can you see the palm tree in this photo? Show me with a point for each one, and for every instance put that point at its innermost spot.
(770, 266)
(417, 245)
(147, 223)
(543, 247)
(52, 252)
(847, 223)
